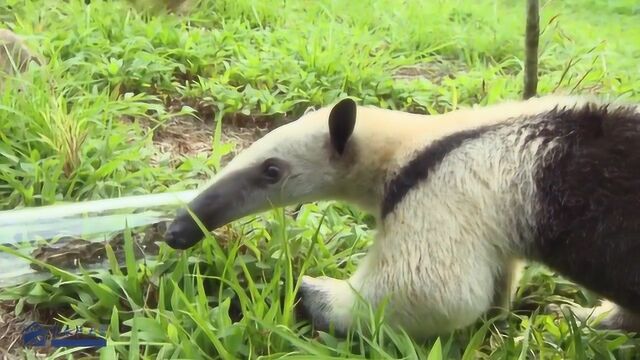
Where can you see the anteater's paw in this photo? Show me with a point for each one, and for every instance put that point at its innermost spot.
(605, 316)
(564, 311)
(555, 310)
(317, 299)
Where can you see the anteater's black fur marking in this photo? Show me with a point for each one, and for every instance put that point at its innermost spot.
(588, 224)
(418, 169)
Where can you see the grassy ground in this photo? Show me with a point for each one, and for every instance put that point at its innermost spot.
(129, 103)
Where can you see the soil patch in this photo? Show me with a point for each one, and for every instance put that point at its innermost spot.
(11, 327)
(185, 136)
(188, 135)
(435, 71)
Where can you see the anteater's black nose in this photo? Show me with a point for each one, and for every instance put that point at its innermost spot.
(183, 234)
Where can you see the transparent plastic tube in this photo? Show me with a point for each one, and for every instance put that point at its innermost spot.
(90, 220)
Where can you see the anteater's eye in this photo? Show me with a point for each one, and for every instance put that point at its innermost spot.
(272, 172)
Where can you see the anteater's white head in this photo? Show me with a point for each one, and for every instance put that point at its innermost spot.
(310, 159)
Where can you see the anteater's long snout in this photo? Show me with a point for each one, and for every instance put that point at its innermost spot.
(213, 208)
(208, 207)
(183, 232)
(226, 200)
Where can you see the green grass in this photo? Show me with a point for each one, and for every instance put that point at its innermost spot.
(71, 131)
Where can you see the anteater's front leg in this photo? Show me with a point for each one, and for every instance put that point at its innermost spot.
(422, 300)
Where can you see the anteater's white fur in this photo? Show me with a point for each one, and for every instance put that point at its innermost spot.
(437, 256)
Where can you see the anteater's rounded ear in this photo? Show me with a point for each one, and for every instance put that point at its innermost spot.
(342, 121)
